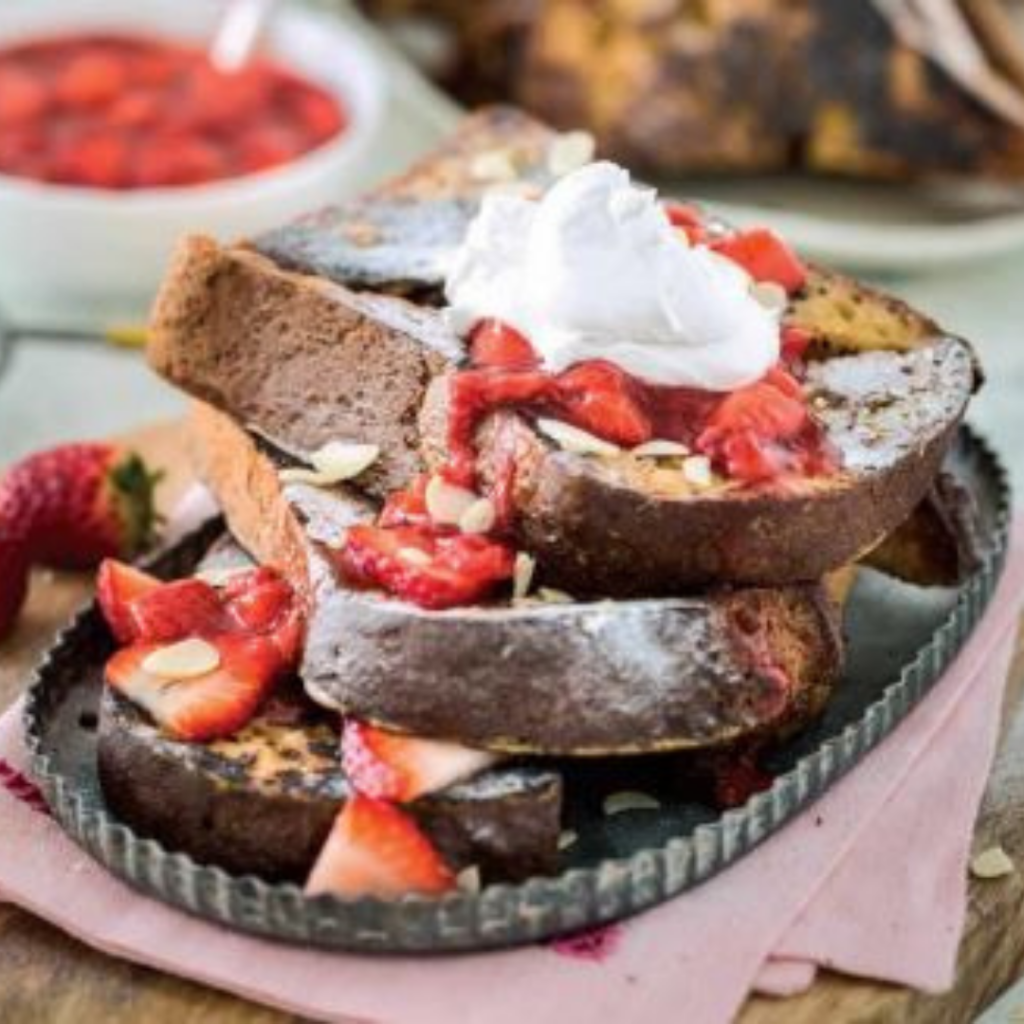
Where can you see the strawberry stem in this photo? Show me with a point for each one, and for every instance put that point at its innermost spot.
(133, 485)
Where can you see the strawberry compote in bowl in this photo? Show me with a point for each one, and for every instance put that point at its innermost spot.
(117, 136)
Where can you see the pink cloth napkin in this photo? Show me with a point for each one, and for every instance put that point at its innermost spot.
(871, 880)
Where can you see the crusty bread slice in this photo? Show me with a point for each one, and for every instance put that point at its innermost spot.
(263, 802)
(581, 679)
(305, 361)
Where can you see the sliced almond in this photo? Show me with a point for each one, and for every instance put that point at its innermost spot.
(494, 165)
(772, 296)
(222, 575)
(697, 471)
(186, 659)
(522, 575)
(572, 439)
(659, 449)
(335, 462)
(570, 151)
(992, 863)
(447, 503)
(413, 556)
(480, 517)
(629, 800)
(468, 879)
(549, 595)
(567, 838)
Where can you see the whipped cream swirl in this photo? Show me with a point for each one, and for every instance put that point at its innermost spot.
(594, 270)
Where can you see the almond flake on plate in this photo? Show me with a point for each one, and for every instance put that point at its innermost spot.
(992, 863)
(480, 517)
(186, 659)
(468, 879)
(660, 449)
(569, 152)
(447, 503)
(551, 596)
(567, 838)
(572, 439)
(494, 165)
(335, 462)
(629, 800)
(522, 575)
(772, 296)
(697, 470)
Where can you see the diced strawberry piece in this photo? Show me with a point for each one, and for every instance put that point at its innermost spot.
(206, 707)
(178, 160)
(263, 602)
(764, 256)
(496, 344)
(268, 146)
(765, 430)
(390, 766)
(100, 160)
(407, 507)
(135, 110)
(177, 610)
(22, 97)
(91, 79)
(599, 397)
(375, 849)
(117, 586)
(430, 570)
(318, 113)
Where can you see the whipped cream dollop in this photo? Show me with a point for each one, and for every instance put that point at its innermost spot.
(594, 270)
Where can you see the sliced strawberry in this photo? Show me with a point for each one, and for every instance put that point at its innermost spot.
(263, 602)
(765, 430)
(180, 609)
(206, 707)
(390, 766)
(496, 344)
(117, 586)
(602, 399)
(375, 849)
(764, 256)
(407, 507)
(430, 570)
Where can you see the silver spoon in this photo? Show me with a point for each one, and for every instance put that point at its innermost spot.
(239, 32)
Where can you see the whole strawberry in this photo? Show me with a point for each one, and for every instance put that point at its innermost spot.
(78, 504)
(14, 567)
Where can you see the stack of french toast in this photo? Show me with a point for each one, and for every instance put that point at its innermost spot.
(461, 559)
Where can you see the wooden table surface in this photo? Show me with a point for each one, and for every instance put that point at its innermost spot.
(48, 977)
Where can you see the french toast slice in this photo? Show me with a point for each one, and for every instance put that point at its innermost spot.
(264, 800)
(579, 679)
(257, 341)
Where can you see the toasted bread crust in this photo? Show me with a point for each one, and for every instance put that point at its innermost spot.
(287, 354)
(580, 679)
(240, 804)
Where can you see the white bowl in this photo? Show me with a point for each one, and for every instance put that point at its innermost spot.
(93, 256)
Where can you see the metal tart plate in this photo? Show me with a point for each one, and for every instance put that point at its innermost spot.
(901, 638)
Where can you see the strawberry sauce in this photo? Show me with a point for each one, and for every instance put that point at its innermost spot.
(125, 112)
(755, 434)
